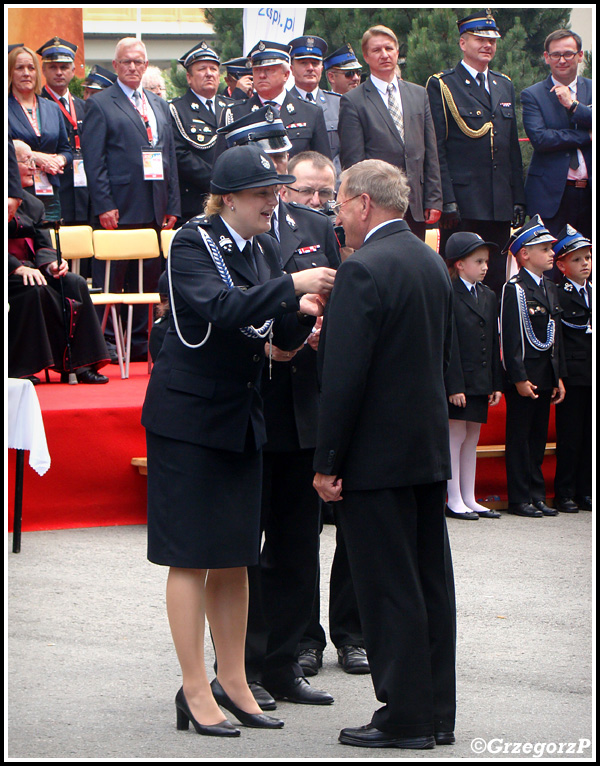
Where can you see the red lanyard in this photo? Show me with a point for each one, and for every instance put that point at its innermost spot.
(144, 115)
(72, 117)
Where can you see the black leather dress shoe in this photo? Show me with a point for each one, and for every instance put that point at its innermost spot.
(545, 509)
(524, 509)
(566, 505)
(444, 738)
(262, 696)
(469, 515)
(489, 514)
(87, 376)
(253, 720)
(369, 736)
(353, 660)
(300, 691)
(585, 503)
(310, 660)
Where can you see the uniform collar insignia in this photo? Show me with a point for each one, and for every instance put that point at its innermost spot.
(290, 221)
(568, 287)
(290, 108)
(195, 105)
(226, 244)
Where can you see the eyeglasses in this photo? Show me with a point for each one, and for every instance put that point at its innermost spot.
(567, 55)
(338, 205)
(128, 62)
(325, 195)
(29, 163)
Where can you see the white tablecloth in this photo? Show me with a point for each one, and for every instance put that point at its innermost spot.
(25, 424)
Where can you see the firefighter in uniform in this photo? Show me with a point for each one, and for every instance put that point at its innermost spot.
(196, 117)
(474, 112)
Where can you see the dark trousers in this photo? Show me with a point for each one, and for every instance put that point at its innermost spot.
(282, 586)
(344, 620)
(490, 231)
(526, 435)
(401, 567)
(573, 476)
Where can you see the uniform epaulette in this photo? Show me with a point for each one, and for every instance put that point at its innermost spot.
(501, 74)
(332, 93)
(514, 279)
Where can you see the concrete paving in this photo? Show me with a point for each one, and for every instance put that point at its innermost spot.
(92, 673)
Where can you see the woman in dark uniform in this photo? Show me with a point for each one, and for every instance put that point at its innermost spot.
(205, 427)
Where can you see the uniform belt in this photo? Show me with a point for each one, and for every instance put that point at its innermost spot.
(578, 184)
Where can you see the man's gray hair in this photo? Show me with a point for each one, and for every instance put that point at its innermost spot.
(385, 184)
(126, 42)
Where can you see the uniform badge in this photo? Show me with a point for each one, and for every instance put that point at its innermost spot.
(265, 162)
(290, 108)
(310, 41)
(192, 130)
(222, 103)
(570, 230)
(255, 108)
(261, 46)
(505, 103)
(309, 249)
(194, 105)
(297, 125)
(568, 287)
(225, 244)
(269, 115)
(228, 117)
(200, 139)
(290, 221)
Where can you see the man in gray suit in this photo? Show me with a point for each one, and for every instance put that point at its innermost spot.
(388, 119)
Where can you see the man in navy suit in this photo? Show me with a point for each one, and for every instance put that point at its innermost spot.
(131, 168)
(557, 116)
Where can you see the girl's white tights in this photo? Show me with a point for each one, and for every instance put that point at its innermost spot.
(464, 436)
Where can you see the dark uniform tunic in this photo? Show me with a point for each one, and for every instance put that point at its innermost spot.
(479, 154)
(195, 134)
(574, 415)
(304, 123)
(526, 418)
(203, 408)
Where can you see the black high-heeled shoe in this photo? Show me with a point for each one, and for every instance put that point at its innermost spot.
(254, 720)
(184, 716)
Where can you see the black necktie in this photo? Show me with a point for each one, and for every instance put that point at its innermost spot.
(474, 293)
(209, 106)
(481, 81)
(275, 106)
(310, 97)
(65, 103)
(249, 256)
(583, 293)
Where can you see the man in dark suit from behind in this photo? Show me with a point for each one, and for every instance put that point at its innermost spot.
(389, 119)
(383, 454)
(131, 168)
(557, 116)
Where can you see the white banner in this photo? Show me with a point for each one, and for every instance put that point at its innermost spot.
(278, 24)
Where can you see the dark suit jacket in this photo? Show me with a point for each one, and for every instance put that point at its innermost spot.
(291, 393)
(475, 367)
(53, 138)
(74, 200)
(520, 359)
(553, 132)
(304, 123)
(383, 418)
(114, 138)
(577, 343)
(367, 131)
(211, 395)
(485, 188)
(195, 135)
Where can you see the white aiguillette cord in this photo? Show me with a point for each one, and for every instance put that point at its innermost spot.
(213, 250)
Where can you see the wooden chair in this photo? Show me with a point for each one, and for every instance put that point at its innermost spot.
(129, 244)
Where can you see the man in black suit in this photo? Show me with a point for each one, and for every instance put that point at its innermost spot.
(383, 453)
(131, 168)
(388, 119)
(304, 122)
(478, 144)
(196, 116)
(58, 67)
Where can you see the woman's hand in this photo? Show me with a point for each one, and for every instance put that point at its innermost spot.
(50, 163)
(458, 400)
(318, 280)
(31, 276)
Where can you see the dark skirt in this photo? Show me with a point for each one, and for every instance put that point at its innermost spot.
(203, 505)
(476, 410)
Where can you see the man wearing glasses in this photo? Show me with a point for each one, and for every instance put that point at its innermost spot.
(557, 116)
(342, 69)
(131, 169)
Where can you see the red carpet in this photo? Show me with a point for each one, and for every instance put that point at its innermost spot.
(93, 432)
